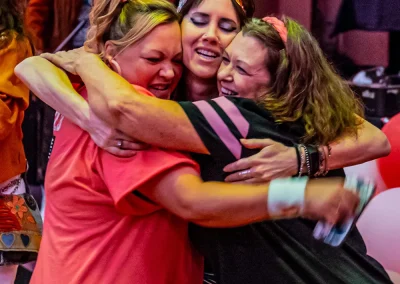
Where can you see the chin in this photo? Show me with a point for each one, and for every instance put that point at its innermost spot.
(204, 72)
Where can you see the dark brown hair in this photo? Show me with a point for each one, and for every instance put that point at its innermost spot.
(304, 86)
(12, 14)
(11, 21)
(243, 16)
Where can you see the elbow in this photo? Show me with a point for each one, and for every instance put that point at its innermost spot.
(190, 209)
(23, 68)
(386, 148)
(381, 146)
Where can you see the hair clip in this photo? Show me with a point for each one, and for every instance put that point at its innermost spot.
(279, 26)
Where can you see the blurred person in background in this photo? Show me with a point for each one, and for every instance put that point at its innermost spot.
(50, 22)
(14, 95)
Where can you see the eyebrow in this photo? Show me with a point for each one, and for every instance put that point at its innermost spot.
(156, 51)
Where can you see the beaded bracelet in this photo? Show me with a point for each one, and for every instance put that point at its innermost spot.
(302, 159)
(307, 156)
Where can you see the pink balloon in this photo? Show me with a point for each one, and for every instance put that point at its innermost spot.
(380, 227)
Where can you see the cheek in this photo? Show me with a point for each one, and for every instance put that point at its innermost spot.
(247, 87)
(138, 74)
(189, 33)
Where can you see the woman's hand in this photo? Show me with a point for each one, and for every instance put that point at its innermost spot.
(112, 140)
(275, 160)
(327, 199)
(67, 60)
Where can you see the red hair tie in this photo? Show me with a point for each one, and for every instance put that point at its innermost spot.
(279, 26)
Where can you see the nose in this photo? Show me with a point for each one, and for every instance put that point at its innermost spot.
(211, 34)
(167, 72)
(225, 72)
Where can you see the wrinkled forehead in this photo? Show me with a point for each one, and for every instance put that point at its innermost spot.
(247, 49)
(165, 38)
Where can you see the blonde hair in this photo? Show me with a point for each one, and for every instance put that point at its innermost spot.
(125, 23)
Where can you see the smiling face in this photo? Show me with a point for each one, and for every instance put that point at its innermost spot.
(243, 71)
(155, 62)
(206, 31)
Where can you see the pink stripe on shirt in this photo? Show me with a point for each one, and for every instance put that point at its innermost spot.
(220, 128)
(234, 114)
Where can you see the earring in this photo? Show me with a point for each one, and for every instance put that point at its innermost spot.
(115, 66)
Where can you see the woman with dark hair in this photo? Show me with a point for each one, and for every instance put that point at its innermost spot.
(14, 100)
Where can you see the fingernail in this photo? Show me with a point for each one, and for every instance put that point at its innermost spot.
(227, 169)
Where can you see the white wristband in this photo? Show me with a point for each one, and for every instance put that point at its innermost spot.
(286, 194)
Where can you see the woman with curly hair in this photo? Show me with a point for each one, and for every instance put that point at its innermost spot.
(14, 95)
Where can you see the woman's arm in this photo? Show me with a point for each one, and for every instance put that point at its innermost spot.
(216, 204)
(117, 102)
(52, 85)
(348, 150)
(277, 160)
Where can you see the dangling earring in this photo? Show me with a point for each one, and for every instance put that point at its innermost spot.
(115, 66)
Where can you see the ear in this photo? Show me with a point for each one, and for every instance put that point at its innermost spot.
(109, 51)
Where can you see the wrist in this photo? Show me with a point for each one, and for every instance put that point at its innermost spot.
(84, 61)
(84, 117)
(295, 162)
(286, 197)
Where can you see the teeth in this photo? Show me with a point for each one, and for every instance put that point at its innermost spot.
(227, 92)
(207, 53)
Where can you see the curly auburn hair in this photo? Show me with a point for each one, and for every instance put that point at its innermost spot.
(304, 87)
